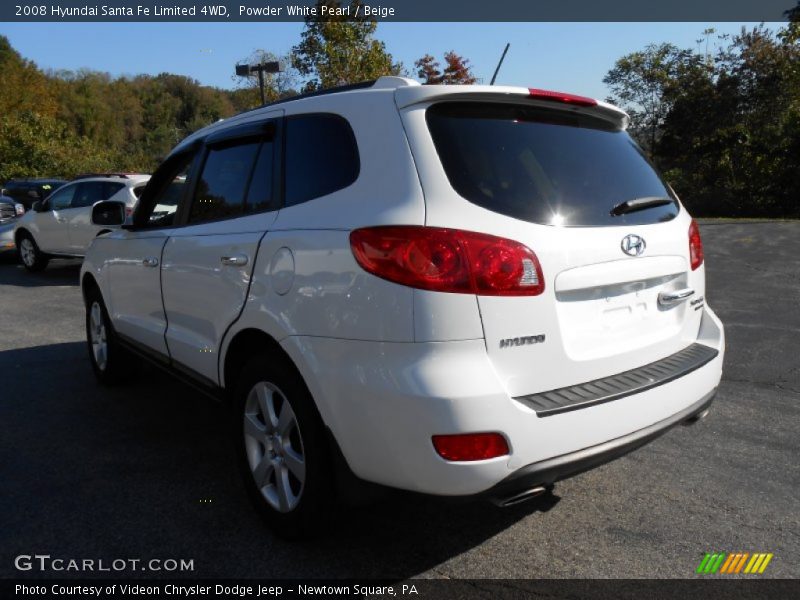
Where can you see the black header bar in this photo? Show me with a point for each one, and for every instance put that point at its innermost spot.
(398, 10)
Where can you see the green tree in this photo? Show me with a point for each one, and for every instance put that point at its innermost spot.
(792, 33)
(725, 129)
(33, 141)
(24, 87)
(95, 106)
(338, 50)
(35, 145)
(758, 75)
(642, 82)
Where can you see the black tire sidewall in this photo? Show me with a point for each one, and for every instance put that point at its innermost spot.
(310, 518)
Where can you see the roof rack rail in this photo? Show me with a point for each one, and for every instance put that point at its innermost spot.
(88, 175)
(384, 82)
(334, 90)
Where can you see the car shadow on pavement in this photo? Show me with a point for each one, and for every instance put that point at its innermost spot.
(147, 470)
(61, 272)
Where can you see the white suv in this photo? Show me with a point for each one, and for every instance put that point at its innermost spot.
(61, 225)
(460, 291)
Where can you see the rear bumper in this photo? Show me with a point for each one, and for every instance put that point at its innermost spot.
(384, 401)
(549, 471)
(628, 383)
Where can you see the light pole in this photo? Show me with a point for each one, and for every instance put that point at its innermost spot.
(260, 68)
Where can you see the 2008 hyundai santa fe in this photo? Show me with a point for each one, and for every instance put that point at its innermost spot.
(460, 291)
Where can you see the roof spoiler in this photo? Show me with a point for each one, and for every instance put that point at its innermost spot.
(408, 96)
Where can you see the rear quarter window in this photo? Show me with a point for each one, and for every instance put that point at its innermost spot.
(321, 157)
(110, 188)
(545, 166)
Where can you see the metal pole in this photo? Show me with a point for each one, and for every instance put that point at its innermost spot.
(499, 64)
(261, 83)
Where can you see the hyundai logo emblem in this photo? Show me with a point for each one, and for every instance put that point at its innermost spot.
(633, 245)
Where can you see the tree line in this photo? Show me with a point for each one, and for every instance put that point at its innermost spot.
(721, 121)
(61, 123)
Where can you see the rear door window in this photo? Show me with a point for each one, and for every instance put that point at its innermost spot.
(62, 198)
(261, 194)
(221, 188)
(94, 191)
(545, 166)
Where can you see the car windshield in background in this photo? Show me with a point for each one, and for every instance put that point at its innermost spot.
(546, 166)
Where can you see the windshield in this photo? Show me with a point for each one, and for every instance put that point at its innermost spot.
(545, 166)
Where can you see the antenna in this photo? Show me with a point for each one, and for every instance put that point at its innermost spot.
(499, 64)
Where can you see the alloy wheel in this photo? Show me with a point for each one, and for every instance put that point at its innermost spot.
(274, 447)
(97, 336)
(28, 252)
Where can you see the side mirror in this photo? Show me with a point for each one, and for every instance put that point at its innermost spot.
(37, 206)
(108, 212)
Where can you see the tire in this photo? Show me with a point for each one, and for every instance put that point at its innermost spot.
(111, 363)
(30, 256)
(285, 459)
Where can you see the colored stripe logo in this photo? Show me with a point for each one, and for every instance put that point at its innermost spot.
(734, 563)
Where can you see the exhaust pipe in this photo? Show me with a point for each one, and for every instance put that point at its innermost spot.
(521, 496)
(696, 418)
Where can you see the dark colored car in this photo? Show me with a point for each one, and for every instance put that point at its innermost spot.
(28, 191)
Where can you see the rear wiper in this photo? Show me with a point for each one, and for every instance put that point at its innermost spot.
(639, 204)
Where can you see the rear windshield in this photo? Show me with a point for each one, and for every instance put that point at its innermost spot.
(545, 166)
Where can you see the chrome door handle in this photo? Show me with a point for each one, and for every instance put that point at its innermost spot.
(673, 298)
(60, 220)
(150, 261)
(237, 260)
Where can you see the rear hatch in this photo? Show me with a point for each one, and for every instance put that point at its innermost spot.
(565, 179)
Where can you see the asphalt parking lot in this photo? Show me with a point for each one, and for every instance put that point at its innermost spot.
(145, 471)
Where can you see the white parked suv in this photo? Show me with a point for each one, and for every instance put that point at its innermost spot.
(60, 226)
(455, 290)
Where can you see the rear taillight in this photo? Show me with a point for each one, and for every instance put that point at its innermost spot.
(695, 246)
(561, 97)
(470, 446)
(448, 260)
